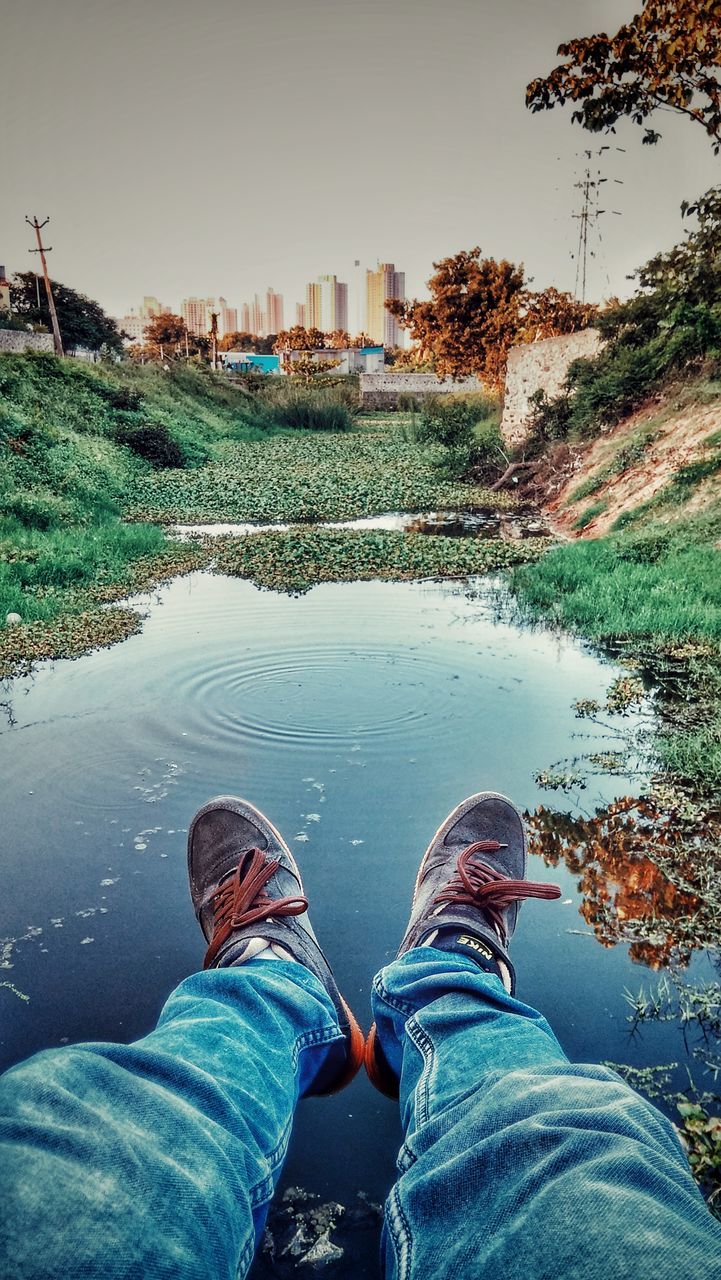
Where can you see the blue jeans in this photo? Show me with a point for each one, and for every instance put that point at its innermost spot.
(158, 1159)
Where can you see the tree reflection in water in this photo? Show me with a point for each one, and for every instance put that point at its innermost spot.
(648, 875)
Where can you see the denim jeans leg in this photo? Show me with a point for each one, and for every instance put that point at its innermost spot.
(159, 1158)
(516, 1163)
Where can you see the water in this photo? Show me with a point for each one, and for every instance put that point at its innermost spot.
(356, 716)
(487, 523)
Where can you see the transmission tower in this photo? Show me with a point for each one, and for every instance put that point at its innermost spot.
(589, 214)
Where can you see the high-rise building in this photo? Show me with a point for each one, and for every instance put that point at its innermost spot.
(195, 312)
(381, 286)
(135, 321)
(227, 318)
(245, 318)
(312, 306)
(257, 318)
(273, 311)
(341, 305)
(300, 314)
(326, 304)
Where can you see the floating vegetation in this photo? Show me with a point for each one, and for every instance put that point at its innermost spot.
(81, 623)
(306, 478)
(300, 558)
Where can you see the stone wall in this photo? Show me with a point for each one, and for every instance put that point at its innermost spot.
(17, 340)
(384, 390)
(540, 366)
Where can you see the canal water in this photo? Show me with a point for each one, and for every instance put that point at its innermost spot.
(356, 717)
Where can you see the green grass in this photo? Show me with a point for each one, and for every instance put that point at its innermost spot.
(589, 515)
(307, 477)
(658, 592)
(631, 452)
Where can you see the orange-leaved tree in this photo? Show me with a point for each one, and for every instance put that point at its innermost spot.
(299, 339)
(667, 57)
(478, 308)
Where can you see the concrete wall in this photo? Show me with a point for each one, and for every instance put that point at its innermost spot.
(383, 390)
(540, 366)
(17, 340)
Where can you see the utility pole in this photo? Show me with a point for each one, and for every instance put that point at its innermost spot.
(42, 250)
(214, 339)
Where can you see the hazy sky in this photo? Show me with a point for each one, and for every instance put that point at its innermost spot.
(221, 147)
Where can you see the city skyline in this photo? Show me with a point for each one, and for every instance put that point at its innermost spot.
(468, 164)
(326, 307)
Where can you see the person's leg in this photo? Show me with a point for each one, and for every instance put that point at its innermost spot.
(516, 1162)
(159, 1158)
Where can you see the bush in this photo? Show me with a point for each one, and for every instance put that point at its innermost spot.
(39, 510)
(451, 420)
(312, 411)
(549, 419)
(153, 442)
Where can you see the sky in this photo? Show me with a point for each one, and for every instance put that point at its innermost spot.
(219, 148)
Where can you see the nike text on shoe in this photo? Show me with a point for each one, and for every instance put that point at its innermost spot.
(470, 885)
(248, 897)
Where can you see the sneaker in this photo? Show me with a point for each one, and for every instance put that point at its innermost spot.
(248, 896)
(467, 896)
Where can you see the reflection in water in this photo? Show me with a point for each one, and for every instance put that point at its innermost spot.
(637, 874)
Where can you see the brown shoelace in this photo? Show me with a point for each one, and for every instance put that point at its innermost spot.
(241, 900)
(475, 884)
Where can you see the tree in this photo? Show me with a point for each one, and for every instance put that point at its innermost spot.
(666, 58)
(550, 313)
(478, 308)
(307, 367)
(239, 340)
(83, 323)
(338, 339)
(299, 339)
(165, 330)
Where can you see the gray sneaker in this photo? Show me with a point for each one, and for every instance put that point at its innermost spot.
(248, 894)
(467, 896)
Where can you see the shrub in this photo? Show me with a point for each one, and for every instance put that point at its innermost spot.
(153, 442)
(39, 510)
(312, 411)
(549, 419)
(450, 420)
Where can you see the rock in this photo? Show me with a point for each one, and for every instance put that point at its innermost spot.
(11, 619)
(323, 1251)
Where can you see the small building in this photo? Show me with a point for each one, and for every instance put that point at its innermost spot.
(4, 292)
(343, 360)
(250, 362)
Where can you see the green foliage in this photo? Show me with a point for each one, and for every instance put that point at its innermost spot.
(300, 558)
(312, 411)
(153, 441)
(657, 589)
(83, 323)
(451, 420)
(672, 322)
(307, 477)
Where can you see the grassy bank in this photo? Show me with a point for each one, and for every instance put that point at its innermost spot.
(93, 460)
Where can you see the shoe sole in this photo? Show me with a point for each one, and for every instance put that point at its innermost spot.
(357, 1040)
(377, 1069)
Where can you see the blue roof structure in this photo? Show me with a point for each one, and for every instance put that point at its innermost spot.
(251, 362)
